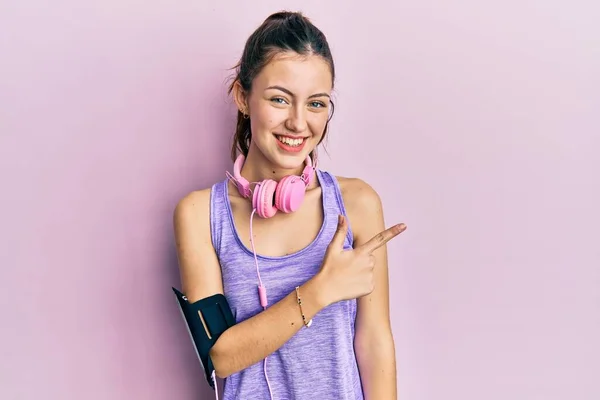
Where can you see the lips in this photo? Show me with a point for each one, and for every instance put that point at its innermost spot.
(291, 143)
(290, 140)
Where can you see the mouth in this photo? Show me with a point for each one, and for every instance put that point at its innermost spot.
(290, 143)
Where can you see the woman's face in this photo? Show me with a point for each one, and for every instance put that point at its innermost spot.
(289, 108)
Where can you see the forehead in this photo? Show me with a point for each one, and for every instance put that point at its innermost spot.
(303, 75)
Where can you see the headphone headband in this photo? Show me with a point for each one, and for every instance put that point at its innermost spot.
(243, 185)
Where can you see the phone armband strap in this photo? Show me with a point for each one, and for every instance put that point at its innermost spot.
(206, 319)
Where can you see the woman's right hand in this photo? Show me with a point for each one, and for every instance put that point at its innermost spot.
(348, 274)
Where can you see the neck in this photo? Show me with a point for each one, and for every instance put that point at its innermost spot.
(257, 168)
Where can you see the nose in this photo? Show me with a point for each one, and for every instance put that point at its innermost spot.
(296, 121)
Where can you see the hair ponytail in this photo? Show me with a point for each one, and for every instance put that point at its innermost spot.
(241, 136)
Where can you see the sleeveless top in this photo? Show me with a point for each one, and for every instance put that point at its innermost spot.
(317, 362)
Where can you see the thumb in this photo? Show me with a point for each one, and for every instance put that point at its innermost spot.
(340, 235)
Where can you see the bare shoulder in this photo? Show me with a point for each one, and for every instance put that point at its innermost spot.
(193, 208)
(191, 216)
(198, 263)
(357, 192)
(363, 206)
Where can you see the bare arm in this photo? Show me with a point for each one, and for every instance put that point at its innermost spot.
(373, 343)
(249, 341)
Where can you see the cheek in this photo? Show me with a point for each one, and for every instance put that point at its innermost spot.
(267, 117)
(317, 123)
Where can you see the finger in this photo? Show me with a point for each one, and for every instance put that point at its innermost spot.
(382, 238)
(340, 234)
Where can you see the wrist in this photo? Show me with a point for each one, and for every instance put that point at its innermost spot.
(317, 290)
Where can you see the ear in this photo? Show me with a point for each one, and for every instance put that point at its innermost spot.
(239, 96)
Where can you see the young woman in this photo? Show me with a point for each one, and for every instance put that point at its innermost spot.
(315, 244)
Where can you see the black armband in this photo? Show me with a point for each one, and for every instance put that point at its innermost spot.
(206, 320)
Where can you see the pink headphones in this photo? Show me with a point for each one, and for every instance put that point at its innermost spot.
(270, 196)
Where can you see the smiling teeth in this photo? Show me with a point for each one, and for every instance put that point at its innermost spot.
(290, 142)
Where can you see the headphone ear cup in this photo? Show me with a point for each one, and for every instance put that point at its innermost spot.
(290, 194)
(263, 198)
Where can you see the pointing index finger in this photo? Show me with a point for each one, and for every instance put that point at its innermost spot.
(382, 238)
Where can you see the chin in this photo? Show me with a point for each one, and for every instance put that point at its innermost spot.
(290, 161)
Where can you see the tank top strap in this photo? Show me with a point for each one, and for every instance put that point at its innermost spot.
(333, 202)
(218, 214)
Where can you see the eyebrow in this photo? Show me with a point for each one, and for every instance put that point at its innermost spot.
(292, 94)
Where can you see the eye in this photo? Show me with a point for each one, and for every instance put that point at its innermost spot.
(278, 100)
(317, 104)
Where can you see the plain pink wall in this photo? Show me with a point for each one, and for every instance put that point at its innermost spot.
(477, 122)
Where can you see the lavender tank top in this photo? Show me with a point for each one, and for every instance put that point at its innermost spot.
(317, 362)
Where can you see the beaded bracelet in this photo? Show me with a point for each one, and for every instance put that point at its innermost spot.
(309, 323)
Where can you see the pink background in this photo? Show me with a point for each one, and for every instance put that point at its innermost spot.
(477, 121)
